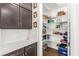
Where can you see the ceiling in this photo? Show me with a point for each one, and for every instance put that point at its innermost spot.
(52, 6)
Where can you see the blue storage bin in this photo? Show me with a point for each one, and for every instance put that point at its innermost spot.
(62, 51)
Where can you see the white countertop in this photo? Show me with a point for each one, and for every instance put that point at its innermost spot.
(6, 48)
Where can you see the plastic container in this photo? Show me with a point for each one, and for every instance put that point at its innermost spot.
(62, 51)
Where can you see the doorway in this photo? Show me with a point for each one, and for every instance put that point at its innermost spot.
(55, 30)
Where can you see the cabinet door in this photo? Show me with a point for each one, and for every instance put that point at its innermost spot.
(9, 16)
(25, 19)
(31, 50)
(18, 52)
(34, 49)
(27, 6)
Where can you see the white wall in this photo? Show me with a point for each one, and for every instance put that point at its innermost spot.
(77, 38)
(13, 35)
(74, 12)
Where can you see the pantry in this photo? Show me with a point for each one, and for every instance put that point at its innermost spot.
(56, 41)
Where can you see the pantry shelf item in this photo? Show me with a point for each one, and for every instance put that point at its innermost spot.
(63, 46)
(60, 13)
(50, 21)
(45, 46)
(47, 36)
(63, 51)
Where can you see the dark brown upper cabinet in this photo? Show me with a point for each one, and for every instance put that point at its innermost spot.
(27, 6)
(25, 18)
(14, 16)
(9, 16)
